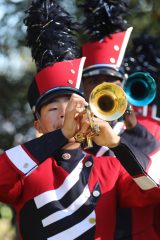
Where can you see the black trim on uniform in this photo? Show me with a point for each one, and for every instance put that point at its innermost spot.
(76, 217)
(141, 138)
(45, 146)
(130, 161)
(30, 228)
(70, 196)
(123, 229)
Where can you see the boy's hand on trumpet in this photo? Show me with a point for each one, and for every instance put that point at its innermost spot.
(80, 124)
(101, 133)
(73, 115)
(106, 137)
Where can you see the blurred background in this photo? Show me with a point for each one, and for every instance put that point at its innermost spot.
(17, 70)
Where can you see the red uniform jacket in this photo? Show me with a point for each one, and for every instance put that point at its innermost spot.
(56, 198)
(147, 116)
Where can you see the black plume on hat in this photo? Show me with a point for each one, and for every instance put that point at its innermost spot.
(50, 33)
(103, 18)
(51, 36)
(144, 55)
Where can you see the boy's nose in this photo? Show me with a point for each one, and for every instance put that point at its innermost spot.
(62, 110)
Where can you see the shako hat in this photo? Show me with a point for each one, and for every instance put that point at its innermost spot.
(108, 35)
(51, 37)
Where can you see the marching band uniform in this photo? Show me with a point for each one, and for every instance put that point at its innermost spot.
(68, 199)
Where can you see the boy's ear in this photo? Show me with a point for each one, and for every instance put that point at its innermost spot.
(37, 126)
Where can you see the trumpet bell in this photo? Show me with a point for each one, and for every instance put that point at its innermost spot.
(140, 89)
(108, 101)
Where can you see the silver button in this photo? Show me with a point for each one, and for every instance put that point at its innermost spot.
(116, 47)
(112, 60)
(88, 164)
(73, 71)
(70, 81)
(66, 156)
(96, 193)
(26, 165)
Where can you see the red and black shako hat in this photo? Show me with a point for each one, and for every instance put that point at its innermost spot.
(51, 37)
(107, 36)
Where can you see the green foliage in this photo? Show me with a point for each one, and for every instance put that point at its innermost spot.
(7, 230)
(5, 211)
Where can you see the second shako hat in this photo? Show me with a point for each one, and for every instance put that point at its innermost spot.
(108, 52)
(107, 38)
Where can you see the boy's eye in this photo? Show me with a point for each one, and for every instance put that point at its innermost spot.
(53, 109)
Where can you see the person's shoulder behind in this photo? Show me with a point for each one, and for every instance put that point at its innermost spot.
(151, 124)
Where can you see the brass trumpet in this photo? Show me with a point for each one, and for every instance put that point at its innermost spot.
(107, 101)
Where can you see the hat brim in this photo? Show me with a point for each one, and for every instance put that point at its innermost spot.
(52, 93)
(102, 70)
